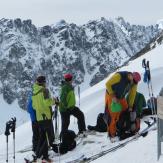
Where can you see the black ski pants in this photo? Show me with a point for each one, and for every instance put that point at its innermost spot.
(35, 137)
(76, 112)
(46, 138)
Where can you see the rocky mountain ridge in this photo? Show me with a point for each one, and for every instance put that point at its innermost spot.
(90, 52)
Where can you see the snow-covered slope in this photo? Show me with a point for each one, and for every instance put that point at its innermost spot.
(8, 111)
(92, 103)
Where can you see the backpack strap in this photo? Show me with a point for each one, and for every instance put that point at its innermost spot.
(41, 90)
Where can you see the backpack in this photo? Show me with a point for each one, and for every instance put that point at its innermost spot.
(68, 142)
(68, 137)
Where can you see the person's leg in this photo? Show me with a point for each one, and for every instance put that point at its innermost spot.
(124, 121)
(65, 117)
(124, 104)
(76, 112)
(50, 132)
(42, 148)
(112, 126)
(137, 124)
(35, 137)
(101, 125)
(114, 117)
(121, 124)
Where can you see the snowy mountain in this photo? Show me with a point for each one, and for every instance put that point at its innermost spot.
(90, 52)
(144, 150)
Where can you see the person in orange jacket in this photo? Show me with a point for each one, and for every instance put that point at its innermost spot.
(117, 87)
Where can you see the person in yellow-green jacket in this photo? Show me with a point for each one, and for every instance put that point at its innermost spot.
(68, 108)
(117, 87)
(42, 104)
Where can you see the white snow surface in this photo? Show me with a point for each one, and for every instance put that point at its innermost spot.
(10, 111)
(144, 150)
(160, 23)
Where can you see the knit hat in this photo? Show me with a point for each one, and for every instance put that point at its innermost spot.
(68, 77)
(136, 77)
(41, 79)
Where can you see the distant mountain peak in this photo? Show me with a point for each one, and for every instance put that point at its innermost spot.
(90, 52)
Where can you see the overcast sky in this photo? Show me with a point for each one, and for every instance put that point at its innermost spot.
(44, 12)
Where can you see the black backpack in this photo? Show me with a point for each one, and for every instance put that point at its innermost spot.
(68, 137)
(68, 142)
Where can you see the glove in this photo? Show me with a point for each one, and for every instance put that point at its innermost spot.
(114, 99)
(130, 109)
(132, 116)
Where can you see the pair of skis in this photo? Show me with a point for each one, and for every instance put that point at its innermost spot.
(85, 159)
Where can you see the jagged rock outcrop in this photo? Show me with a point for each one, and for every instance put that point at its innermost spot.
(90, 52)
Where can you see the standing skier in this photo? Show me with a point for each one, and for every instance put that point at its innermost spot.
(35, 127)
(117, 87)
(67, 106)
(42, 103)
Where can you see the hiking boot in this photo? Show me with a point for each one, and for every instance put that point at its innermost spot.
(47, 160)
(91, 127)
(38, 161)
(114, 139)
(82, 134)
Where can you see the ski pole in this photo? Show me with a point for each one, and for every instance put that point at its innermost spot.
(7, 133)
(79, 95)
(57, 127)
(7, 148)
(56, 121)
(147, 79)
(78, 99)
(13, 130)
(150, 82)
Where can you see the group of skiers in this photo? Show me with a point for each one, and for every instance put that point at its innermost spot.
(40, 108)
(121, 118)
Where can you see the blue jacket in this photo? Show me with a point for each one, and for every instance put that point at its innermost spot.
(30, 109)
(123, 86)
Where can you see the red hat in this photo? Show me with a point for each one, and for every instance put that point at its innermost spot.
(68, 77)
(136, 77)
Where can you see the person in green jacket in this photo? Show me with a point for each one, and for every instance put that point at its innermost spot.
(68, 108)
(42, 104)
(129, 122)
(139, 104)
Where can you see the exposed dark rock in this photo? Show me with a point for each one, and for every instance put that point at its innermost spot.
(95, 49)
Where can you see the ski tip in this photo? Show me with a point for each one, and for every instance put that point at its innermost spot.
(144, 134)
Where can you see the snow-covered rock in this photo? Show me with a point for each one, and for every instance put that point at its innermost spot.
(90, 52)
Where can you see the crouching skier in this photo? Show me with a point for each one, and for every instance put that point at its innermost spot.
(129, 122)
(42, 103)
(67, 107)
(118, 86)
